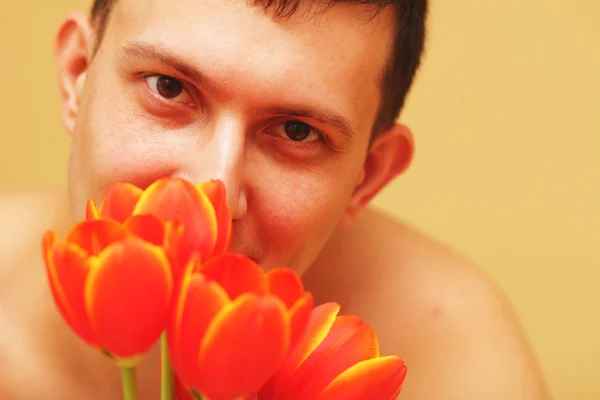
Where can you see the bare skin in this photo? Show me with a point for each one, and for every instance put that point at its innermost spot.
(454, 329)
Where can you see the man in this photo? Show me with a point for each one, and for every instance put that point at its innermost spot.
(293, 105)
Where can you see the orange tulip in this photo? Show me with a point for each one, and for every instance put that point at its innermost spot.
(337, 358)
(112, 283)
(201, 209)
(181, 393)
(233, 325)
(118, 204)
(216, 193)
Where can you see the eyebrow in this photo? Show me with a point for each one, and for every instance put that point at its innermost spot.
(157, 54)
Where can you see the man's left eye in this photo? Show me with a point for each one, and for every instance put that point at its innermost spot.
(298, 131)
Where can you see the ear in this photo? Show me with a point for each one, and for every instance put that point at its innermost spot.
(389, 156)
(73, 52)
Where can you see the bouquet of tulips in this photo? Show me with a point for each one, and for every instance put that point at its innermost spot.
(153, 265)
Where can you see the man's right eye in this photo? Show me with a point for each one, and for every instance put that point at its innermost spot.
(168, 88)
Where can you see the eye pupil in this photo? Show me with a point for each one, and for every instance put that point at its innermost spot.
(297, 131)
(169, 87)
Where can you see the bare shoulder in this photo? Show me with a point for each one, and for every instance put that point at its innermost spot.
(24, 218)
(452, 324)
(23, 293)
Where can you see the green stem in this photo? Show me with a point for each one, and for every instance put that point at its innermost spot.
(167, 384)
(129, 385)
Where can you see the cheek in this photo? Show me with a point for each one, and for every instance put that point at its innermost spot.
(132, 154)
(298, 211)
(114, 142)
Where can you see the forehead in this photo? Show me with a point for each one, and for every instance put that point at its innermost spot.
(336, 56)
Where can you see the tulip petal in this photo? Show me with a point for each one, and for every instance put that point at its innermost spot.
(344, 325)
(237, 274)
(243, 346)
(181, 393)
(299, 317)
(348, 343)
(286, 284)
(377, 378)
(197, 305)
(147, 227)
(173, 246)
(120, 201)
(127, 297)
(172, 198)
(321, 320)
(216, 193)
(93, 236)
(49, 241)
(67, 270)
(178, 299)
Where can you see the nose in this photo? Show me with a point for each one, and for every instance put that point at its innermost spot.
(220, 154)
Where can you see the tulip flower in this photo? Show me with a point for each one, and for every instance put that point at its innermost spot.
(200, 221)
(111, 285)
(201, 209)
(118, 204)
(233, 325)
(337, 358)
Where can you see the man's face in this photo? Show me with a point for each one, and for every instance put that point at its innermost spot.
(281, 110)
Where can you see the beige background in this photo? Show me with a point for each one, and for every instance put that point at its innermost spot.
(507, 120)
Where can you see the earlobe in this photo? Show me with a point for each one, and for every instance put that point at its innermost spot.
(73, 51)
(389, 156)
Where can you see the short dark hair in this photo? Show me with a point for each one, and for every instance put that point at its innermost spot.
(397, 77)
